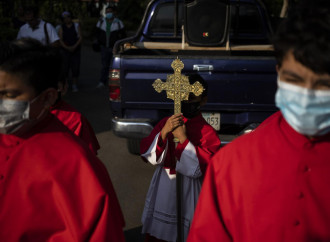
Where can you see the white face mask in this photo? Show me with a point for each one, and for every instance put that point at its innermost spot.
(14, 114)
(306, 110)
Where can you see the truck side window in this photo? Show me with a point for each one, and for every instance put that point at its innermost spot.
(163, 19)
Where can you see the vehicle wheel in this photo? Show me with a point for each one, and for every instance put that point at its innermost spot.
(133, 146)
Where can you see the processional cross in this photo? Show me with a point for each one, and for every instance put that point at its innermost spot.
(177, 86)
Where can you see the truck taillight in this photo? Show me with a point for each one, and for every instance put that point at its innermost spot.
(114, 85)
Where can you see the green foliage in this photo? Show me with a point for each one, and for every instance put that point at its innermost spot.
(7, 32)
(131, 13)
(51, 10)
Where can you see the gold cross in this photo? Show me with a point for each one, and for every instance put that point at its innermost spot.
(177, 86)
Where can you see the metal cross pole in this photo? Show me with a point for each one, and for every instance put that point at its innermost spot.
(177, 88)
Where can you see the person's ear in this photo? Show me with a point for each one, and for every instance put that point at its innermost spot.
(49, 97)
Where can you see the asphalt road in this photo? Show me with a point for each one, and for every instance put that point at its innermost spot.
(129, 174)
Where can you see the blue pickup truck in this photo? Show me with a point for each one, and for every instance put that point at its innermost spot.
(240, 72)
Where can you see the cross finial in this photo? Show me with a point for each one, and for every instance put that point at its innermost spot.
(177, 86)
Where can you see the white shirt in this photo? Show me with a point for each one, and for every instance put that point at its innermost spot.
(117, 24)
(39, 33)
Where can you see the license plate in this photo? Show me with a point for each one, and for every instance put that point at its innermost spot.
(213, 119)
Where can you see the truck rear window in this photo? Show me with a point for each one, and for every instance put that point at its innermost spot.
(246, 22)
(245, 19)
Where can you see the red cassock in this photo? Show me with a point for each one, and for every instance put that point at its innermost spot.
(53, 188)
(77, 123)
(199, 133)
(270, 185)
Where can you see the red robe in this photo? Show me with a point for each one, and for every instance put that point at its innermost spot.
(199, 133)
(270, 185)
(77, 123)
(53, 188)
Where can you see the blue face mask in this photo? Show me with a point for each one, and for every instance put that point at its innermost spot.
(306, 110)
(109, 15)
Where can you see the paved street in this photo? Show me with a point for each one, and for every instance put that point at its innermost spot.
(129, 174)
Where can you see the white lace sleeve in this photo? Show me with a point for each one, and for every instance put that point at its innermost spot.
(151, 156)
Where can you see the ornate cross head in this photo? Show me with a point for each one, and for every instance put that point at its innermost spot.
(177, 86)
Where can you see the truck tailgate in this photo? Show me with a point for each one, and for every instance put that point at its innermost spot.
(235, 83)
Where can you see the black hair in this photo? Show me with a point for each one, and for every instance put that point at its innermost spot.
(69, 14)
(41, 67)
(306, 32)
(196, 77)
(32, 9)
(113, 7)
